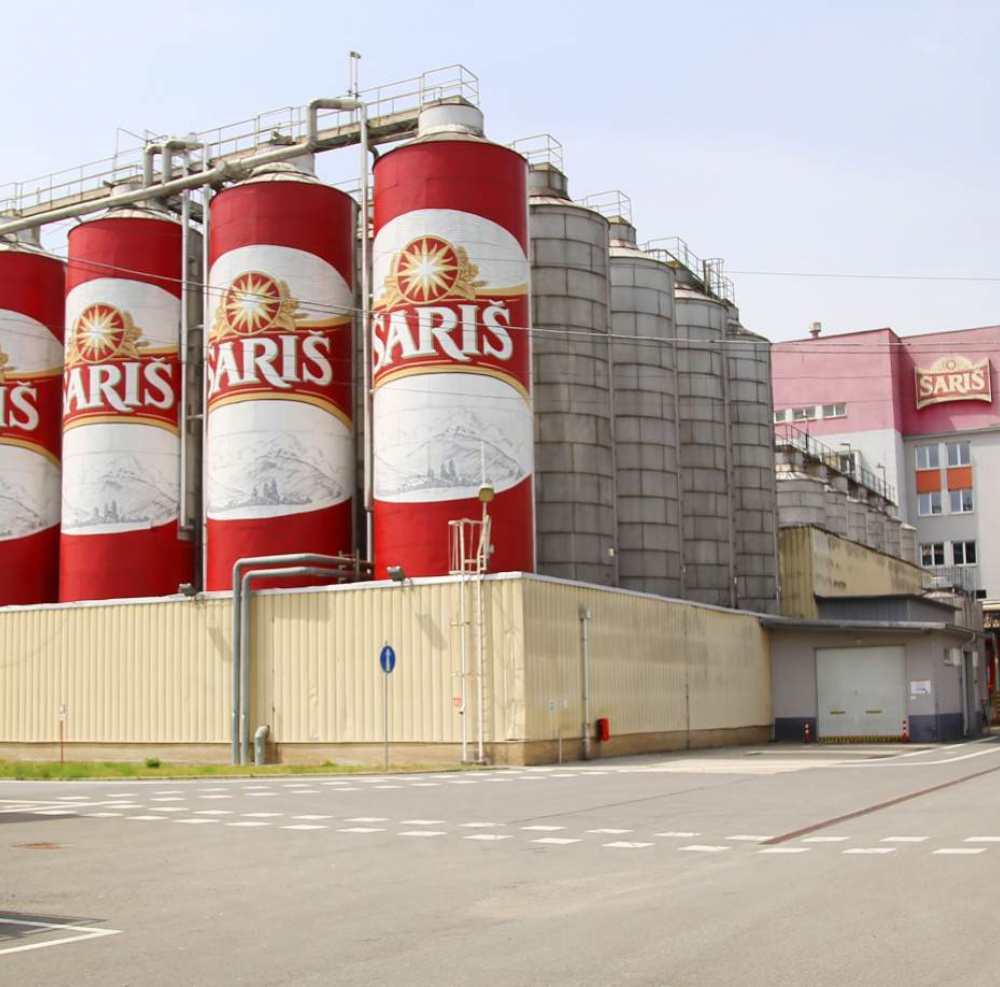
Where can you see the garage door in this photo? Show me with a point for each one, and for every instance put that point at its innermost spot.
(861, 692)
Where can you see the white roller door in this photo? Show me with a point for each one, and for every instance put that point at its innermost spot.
(861, 691)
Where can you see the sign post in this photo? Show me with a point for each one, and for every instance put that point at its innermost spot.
(387, 659)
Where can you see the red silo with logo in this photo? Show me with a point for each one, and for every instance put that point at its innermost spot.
(32, 293)
(280, 456)
(121, 404)
(451, 346)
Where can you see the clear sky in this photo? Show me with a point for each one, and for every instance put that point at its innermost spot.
(831, 137)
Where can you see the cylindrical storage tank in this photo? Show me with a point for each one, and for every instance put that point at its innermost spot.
(121, 410)
(279, 466)
(645, 416)
(908, 544)
(706, 504)
(32, 298)
(451, 360)
(857, 520)
(836, 505)
(801, 500)
(748, 359)
(893, 545)
(575, 461)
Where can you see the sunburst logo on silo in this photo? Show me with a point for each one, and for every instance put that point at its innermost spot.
(430, 269)
(253, 303)
(102, 332)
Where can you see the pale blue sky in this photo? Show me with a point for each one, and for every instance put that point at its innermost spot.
(829, 137)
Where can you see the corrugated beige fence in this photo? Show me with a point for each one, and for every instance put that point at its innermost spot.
(157, 674)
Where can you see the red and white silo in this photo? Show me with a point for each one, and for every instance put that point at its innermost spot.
(280, 456)
(451, 347)
(121, 394)
(32, 291)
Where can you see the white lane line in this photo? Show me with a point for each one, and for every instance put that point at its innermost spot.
(304, 826)
(197, 822)
(247, 824)
(423, 832)
(171, 791)
(148, 818)
(312, 817)
(261, 795)
(904, 839)
(961, 851)
(334, 783)
(826, 839)
(211, 789)
(982, 839)
(563, 774)
(249, 788)
(678, 835)
(359, 829)
(557, 840)
(215, 796)
(367, 819)
(743, 838)
(214, 812)
(426, 784)
(626, 845)
(496, 781)
(262, 815)
(306, 791)
(701, 848)
(88, 933)
(167, 808)
(871, 849)
(786, 849)
(345, 789)
(463, 782)
(54, 812)
(610, 832)
(488, 836)
(382, 788)
(73, 798)
(422, 822)
(103, 815)
(167, 798)
(542, 829)
(481, 825)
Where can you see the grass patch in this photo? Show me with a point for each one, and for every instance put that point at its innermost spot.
(152, 767)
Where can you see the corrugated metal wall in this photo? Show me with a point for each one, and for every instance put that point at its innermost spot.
(160, 672)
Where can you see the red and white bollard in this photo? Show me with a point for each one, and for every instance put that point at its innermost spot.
(906, 730)
(807, 733)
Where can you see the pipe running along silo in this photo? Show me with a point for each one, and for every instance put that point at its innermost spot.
(32, 295)
(645, 410)
(280, 452)
(577, 528)
(121, 410)
(451, 346)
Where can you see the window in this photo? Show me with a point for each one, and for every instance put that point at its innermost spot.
(963, 552)
(803, 414)
(929, 503)
(834, 410)
(960, 501)
(927, 458)
(958, 454)
(780, 416)
(932, 554)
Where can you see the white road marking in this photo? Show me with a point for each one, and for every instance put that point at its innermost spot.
(423, 832)
(211, 789)
(678, 835)
(610, 832)
(167, 808)
(496, 781)
(480, 825)
(171, 791)
(558, 840)
(382, 788)
(542, 829)
(261, 795)
(148, 818)
(982, 839)
(871, 849)
(904, 839)
(304, 826)
(786, 849)
(54, 812)
(216, 796)
(426, 784)
(961, 851)
(167, 798)
(262, 815)
(625, 845)
(463, 782)
(102, 815)
(88, 933)
(305, 791)
(312, 817)
(563, 774)
(213, 812)
(699, 848)
(354, 829)
(196, 822)
(742, 838)
(247, 824)
(422, 822)
(826, 839)
(488, 836)
(248, 788)
(73, 798)
(367, 819)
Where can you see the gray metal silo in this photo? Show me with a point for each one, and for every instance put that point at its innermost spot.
(645, 408)
(574, 449)
(708, 529)
(751, 409)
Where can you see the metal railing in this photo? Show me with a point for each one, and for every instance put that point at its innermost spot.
(610, 204)
(708, 274)
(789, 436)
(963, 577)
(539, 149)
(392, 106)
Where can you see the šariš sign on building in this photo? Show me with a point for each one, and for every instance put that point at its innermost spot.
(953, 378)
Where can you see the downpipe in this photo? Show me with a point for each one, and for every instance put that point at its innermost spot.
(585, 618)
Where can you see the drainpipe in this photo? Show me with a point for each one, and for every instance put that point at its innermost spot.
(206, 325)
(585, 616)
(221, 172)
(260, 745)
(237, 584)
(182, 519)
(291, 572)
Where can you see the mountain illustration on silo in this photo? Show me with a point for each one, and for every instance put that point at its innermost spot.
(282, 471)
(461, 452)
(121, 490)
(18, 516)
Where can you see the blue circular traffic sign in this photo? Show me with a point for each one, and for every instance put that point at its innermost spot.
(387, 659)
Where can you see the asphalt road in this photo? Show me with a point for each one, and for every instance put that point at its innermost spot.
(730, 867)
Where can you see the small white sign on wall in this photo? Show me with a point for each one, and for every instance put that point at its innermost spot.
(920, 687)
